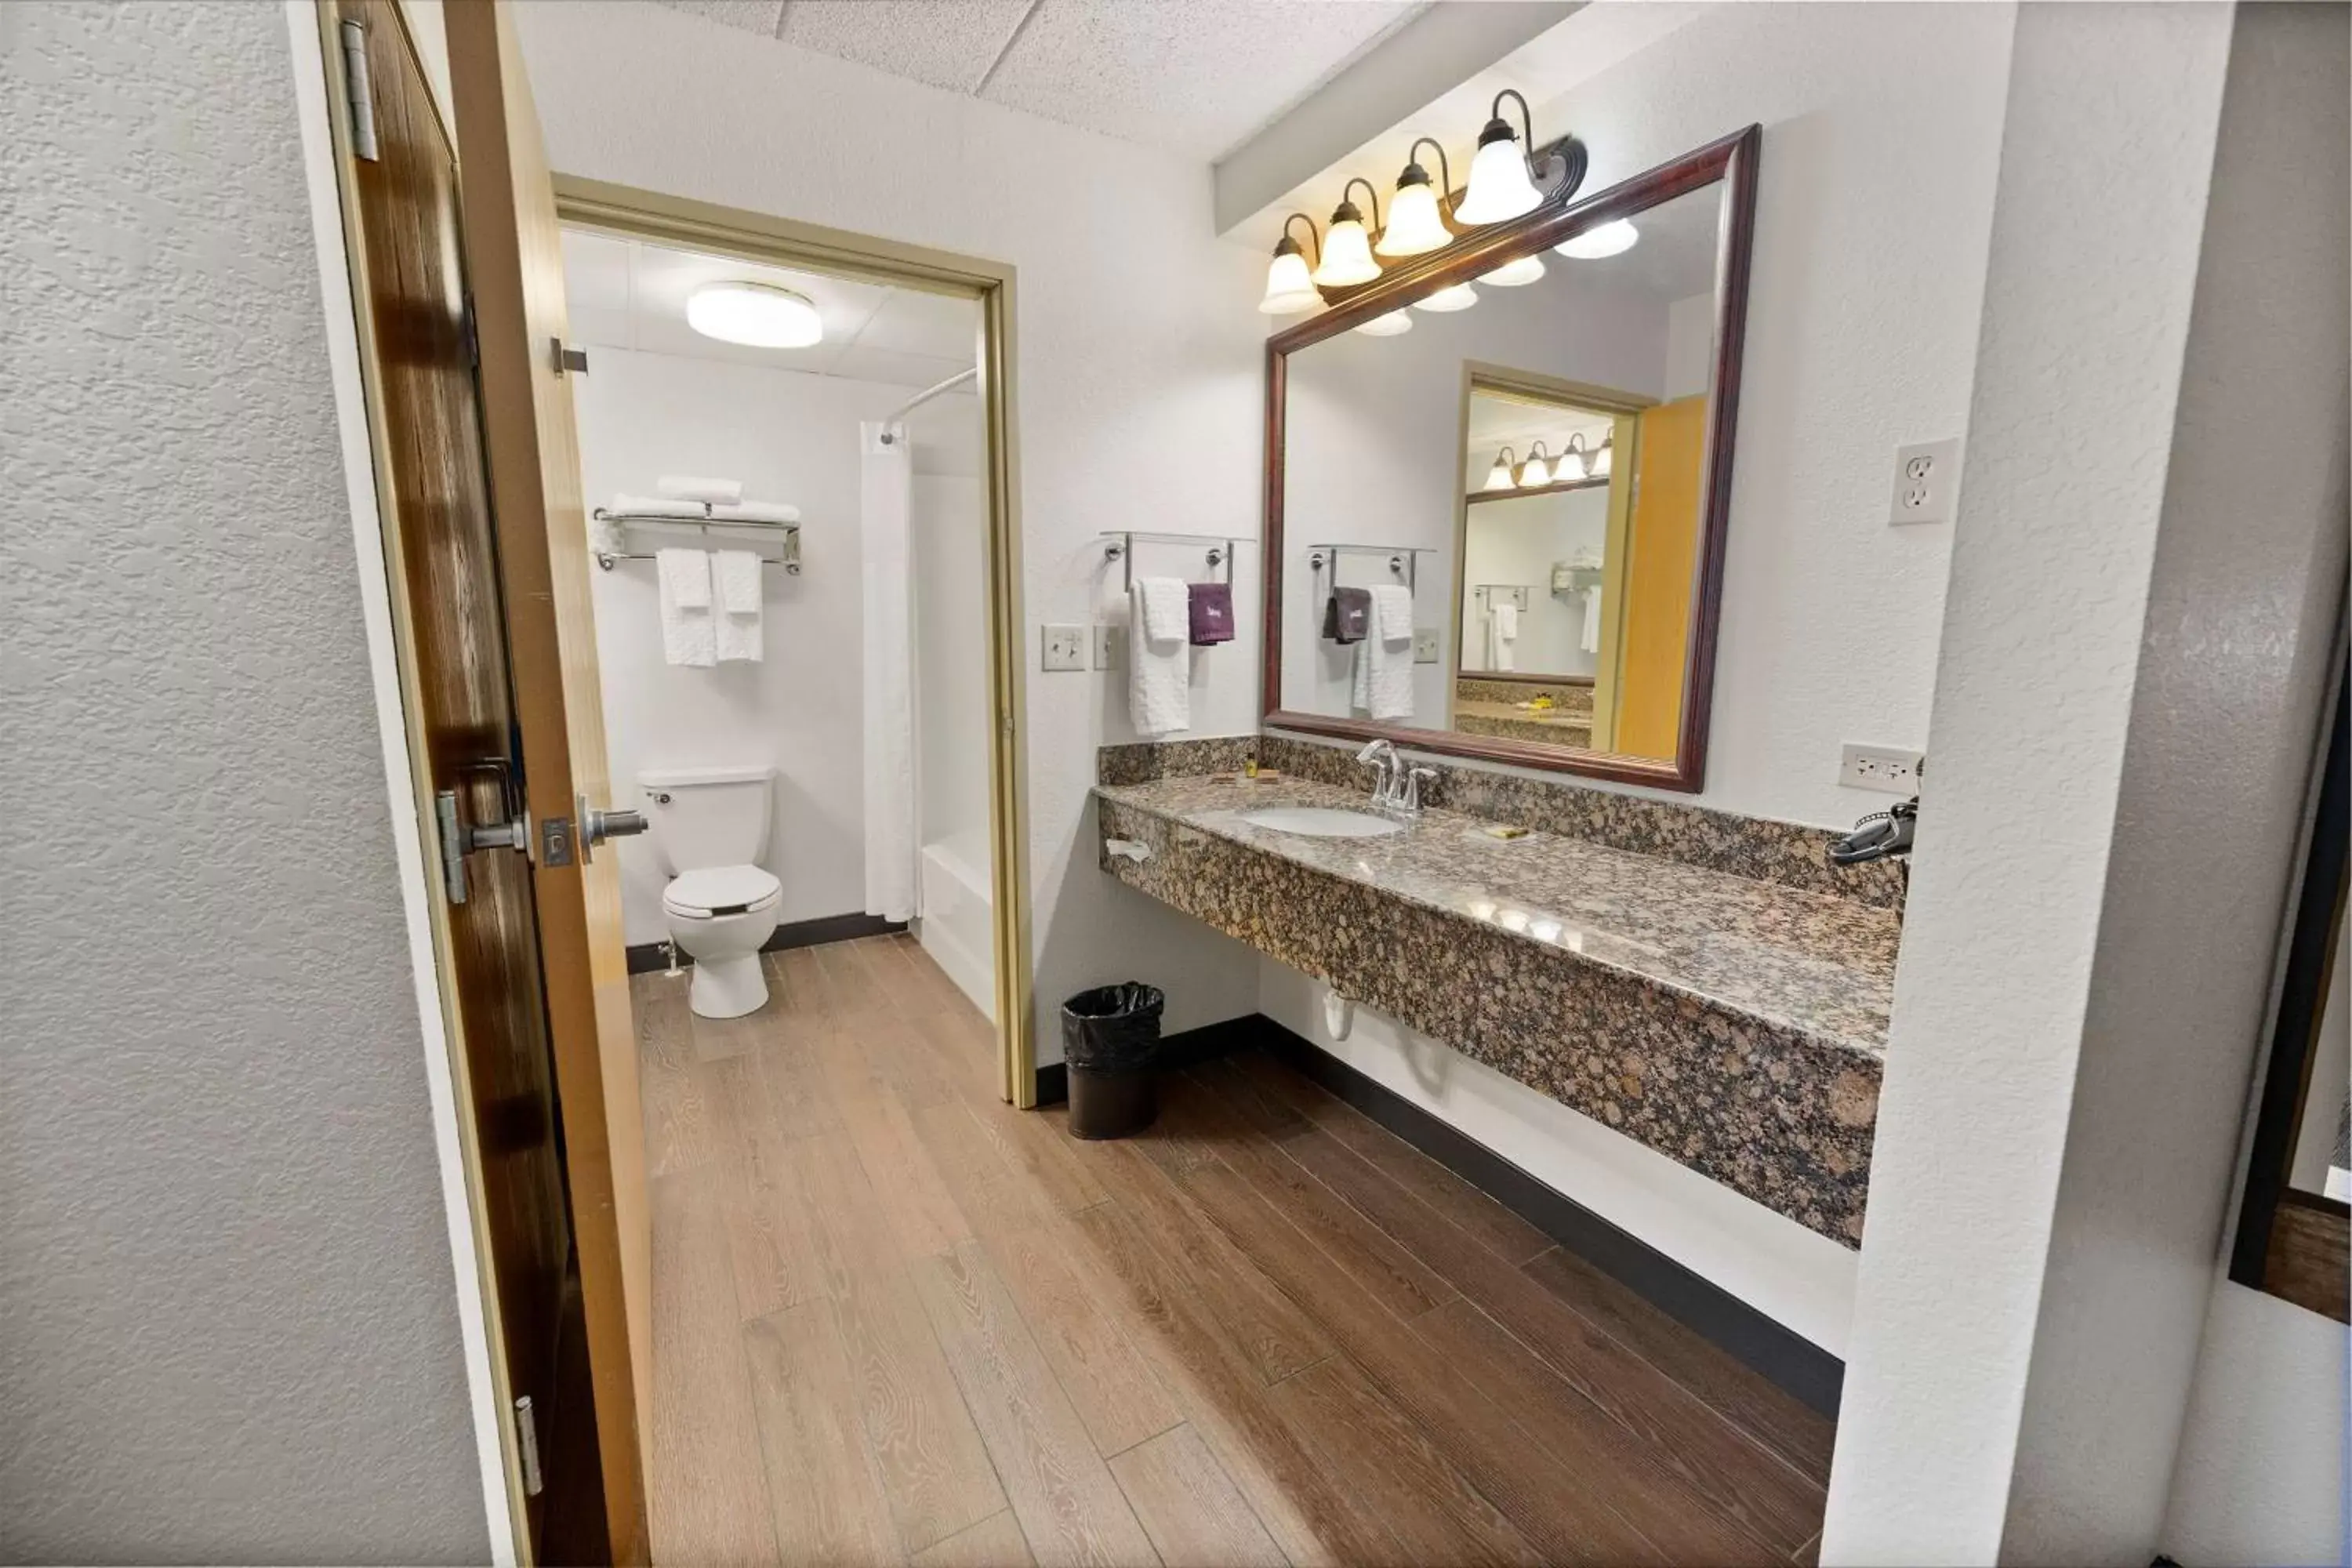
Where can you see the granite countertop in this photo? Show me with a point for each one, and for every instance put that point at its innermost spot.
(1561, 718)
(1819, 967)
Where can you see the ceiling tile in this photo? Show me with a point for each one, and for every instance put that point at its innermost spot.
(1199, 78)
(947, 43)
(913, 321)
(752, 15)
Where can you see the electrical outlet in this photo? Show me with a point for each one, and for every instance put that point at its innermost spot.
(1882, 768)
(1110, 643)
(1065, 647)
(1425, 645)
(1927, 481)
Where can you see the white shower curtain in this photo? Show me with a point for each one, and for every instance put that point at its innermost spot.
(886, 505)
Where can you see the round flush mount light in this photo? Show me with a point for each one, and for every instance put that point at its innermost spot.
(1611, 238)
(1515, 274)
(1387, 326)
(758, 315)
(1460, 297)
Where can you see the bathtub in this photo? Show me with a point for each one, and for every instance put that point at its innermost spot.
(954, 923)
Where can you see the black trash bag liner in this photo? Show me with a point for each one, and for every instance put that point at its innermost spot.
(1112, 1028)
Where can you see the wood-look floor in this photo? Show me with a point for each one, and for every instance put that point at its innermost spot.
(896, 1321)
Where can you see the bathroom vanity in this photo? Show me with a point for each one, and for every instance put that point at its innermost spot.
(1707, 984)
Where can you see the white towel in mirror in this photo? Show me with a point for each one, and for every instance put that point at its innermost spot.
(1589, 638)
(1383, 683)
(694, 487)
(1502, 631)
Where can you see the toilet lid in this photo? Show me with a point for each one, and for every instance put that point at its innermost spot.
(721, 887)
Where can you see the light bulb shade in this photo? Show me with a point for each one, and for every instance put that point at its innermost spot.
(1515, 274)
(1600, 464)
(1387, 326)
(1460, 297)
(1499, 187)
(1611, 238)
(758, 315)
(1499, 476)
(1570, 468)
(1416, 225)
(1289, 288)
(1533, 472)
(1347, 256)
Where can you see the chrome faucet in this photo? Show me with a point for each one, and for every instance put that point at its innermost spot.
(1387, 770)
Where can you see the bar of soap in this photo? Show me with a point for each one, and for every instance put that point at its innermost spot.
(1503, 830)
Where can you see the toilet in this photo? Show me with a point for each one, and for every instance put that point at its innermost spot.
(709, 825)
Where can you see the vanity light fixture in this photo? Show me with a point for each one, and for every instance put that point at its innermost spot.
(1503, 476)
(1387, 326)
(1460, 297)
(1599, 464)
(1346, 247)
(1289, 288)
(1575, 463)
(1416, 210)
(1499, 187)
(1611, 238)
(1515, 274)
(1534, 471)
(760, 315)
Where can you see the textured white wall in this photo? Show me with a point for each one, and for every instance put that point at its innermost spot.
(1137, 376)
(231, 1332)
(2149, 570)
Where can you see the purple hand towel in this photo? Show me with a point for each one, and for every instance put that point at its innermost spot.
(1212, 613)
(1347, 615)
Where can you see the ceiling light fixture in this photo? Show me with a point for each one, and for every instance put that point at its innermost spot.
(1612, 238)
(1501, 188)
(1460, 297)
(1416, 211)
(1346, 247)
(1387, 326)
(1289, 288)
(1533, 471)
(758, 315)
(1515, 274)
(1503, 475)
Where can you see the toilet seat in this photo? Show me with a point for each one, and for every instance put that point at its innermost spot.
(714, 891)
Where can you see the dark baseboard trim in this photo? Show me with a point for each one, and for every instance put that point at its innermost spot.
(646, 957)
(1786, 1358)
(1176, 1052)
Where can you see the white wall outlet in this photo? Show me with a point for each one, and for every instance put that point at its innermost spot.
(1425, 645)
(1927, 481)
(1110, 645)
(1884, 768)
(1065, 647)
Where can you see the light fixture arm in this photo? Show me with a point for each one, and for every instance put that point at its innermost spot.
(1371, 195)
(1527, 119)
(1576, 443)
(1445, 173)
(1315, 248)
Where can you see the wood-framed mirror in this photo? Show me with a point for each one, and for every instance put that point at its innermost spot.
(1498, 532)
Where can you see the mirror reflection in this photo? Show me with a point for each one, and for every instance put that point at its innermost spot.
(1493, 513)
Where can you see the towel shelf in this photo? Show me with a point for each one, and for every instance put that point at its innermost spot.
(749, 530)
(1405, 559)
(1517, 592)
(1121, 548)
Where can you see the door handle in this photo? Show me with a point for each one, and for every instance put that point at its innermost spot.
(598, 824)
(459, 840)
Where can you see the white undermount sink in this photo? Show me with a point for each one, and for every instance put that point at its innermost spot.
(1322, 822)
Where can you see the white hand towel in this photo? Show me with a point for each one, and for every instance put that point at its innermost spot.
(658, 506)
(694, 487)
(689, 635)
(1507, 621)
(1384, 659)
(1167, 608)
(1502, 631)
(1159, 667)
(1589, 638)
(738, 632)
(756, 511)
(1393, 613)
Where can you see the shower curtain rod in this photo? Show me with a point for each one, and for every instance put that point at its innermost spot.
(925, 396)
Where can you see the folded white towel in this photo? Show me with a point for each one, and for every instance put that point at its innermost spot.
(694, 487)
(737, 587)
(688, 635)
(1383, 682)
(1159, 667)
(756, 511)
(1167, 608)
(658, 506)
(1589, 638)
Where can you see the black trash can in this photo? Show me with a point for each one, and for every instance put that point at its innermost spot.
(1111, 1036)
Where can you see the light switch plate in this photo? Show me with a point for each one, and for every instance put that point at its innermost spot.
(1065, 648)
(1110, 643)
(1425, 645)
(1927, 481)
(1888, 768)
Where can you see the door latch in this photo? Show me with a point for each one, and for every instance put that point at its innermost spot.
(458, 840)
(597, 824)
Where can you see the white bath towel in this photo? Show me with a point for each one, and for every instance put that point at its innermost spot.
(689, 637)
(1589, 638)
(738, 587)
(694, 487)
(658, 506)
(1502, 631)
(756, 511)
(1383, 684)
(1159, 656)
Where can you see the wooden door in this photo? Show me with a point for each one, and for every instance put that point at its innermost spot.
(515, 260)
(402, 210)
(1660, 569)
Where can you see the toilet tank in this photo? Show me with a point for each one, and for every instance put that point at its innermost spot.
(700, 817)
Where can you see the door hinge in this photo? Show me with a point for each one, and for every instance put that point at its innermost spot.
(527, 1446)
(355, 87)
